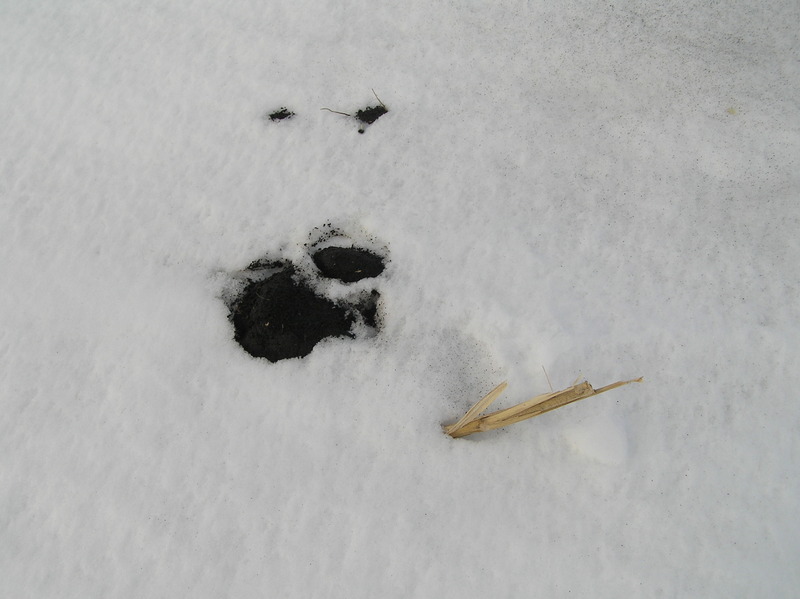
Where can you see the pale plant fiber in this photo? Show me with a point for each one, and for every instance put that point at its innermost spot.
(472, 422)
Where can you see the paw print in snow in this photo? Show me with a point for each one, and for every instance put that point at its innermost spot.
(285, 309)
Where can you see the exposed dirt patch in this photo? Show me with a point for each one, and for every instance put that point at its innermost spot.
(370, 114)
(365, 116)
(281, 114)
(283, 310)
(280, 317)
(348, 264)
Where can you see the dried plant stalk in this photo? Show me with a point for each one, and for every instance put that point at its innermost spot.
(472, 422)
(479, 407)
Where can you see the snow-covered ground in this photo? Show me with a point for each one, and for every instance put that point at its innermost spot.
(605, 190)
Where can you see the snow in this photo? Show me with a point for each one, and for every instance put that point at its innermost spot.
(605, 190)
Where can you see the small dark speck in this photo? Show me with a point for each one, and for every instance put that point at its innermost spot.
(281, 114)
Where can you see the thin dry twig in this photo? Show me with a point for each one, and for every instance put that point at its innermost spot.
(549, 384)
(336, 112)
(472, 422)
(378, 99)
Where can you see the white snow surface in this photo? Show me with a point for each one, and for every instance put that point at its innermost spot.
(606, 190)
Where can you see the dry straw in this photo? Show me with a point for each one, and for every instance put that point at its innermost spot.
(473, 422)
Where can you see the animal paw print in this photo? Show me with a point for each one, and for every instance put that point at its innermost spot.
(284, 309)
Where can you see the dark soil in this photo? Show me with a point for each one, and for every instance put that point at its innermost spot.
(371, 114)
(283, 312)
(369, 309)
(264, 264)
(348, 264)
(280, 318)
(281, 114)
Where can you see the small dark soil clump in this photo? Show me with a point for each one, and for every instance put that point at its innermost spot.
(348, 264)
(279, 318)
(280, 114)
(367, 115)
(371, 114)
